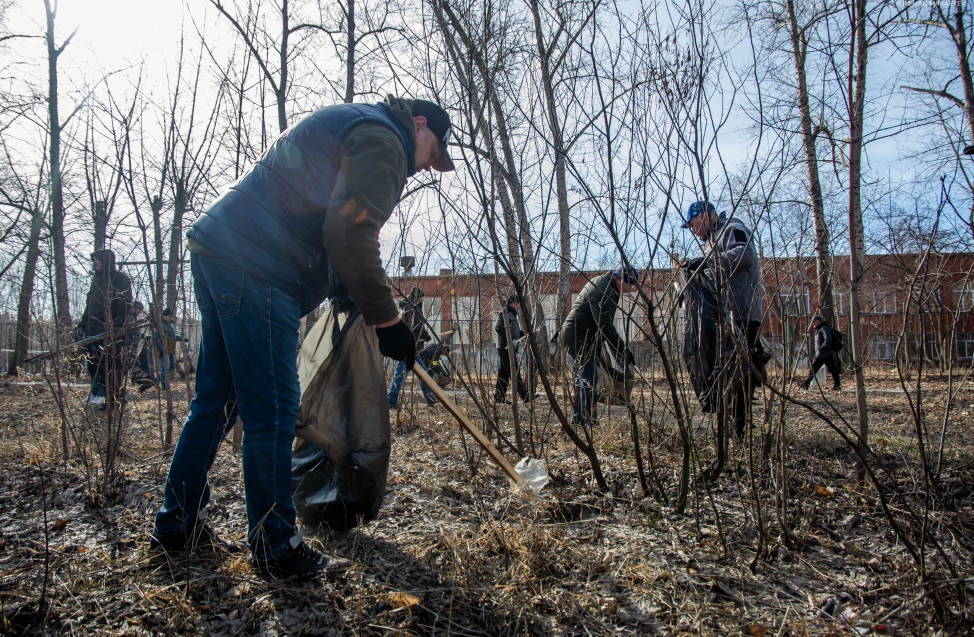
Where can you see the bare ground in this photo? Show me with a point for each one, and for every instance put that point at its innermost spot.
(455, 552)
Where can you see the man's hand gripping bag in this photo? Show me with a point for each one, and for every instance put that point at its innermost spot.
(343, 396)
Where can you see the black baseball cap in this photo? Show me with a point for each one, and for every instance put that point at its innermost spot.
(438, 121)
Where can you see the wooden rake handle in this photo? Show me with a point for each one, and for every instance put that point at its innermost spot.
(472, 429)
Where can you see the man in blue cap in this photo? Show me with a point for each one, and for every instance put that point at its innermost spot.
(729, 246)
(300, 225)
(589, 326)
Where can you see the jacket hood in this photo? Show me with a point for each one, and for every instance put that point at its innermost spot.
(715, 229)
(416, 294)
(107, 258)
(402, 111)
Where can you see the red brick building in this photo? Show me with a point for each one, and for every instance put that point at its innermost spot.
(930, 301)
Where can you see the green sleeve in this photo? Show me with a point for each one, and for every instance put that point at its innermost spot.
(372, 174)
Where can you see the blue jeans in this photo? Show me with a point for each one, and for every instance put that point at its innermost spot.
(586, 375)
(247, 364)
(162, 372)
(400, 376)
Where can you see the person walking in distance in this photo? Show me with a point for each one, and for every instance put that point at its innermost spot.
(504, 351)
(411, 311)
(824, 354)
(301, 224)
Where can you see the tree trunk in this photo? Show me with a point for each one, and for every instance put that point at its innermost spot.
(823, 257)
(22, 336)
(959, 36)
(281, 93)
(857, 93)
(159, 292)
(533, 312)
(63, 310)
(561, 186)
(350, 55)
(174, 266)
(101, 224)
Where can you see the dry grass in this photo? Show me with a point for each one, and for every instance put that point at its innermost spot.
(456, 552)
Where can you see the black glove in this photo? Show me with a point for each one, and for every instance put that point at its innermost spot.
(397, 342)
(630, 357)
(77, 333)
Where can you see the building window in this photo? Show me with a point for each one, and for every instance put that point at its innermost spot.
(549, 305)
(467, 319)
(964, 298)
(630, 317)
(882, 347)
(794, 302)
(965, 346)
(839, 300)
(433, 311)
(881, 302)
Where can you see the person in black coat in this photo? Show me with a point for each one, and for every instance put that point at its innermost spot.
(504, 354)
(106, 312)
(824, 354)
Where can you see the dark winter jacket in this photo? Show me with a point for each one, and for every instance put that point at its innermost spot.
(411, 311)
(170, 331)
(109, 297)
(739, 269)
(591, 318)
(516, 332)
(823, 341)
(432, 352)
(312, 206)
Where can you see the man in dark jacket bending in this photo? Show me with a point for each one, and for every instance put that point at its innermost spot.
(824, 354)
(588, 326)
(263, 255)
(106, 312)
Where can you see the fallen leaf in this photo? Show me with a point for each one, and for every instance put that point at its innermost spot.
(824, 491)
(758, 630)
(60, 524)
(148, 496)
(403, 600)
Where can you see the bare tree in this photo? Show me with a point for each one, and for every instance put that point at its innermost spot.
(957, 23)
(55, 127)
(823, 257)
(279, 72)
(27, 199)
(556, 45)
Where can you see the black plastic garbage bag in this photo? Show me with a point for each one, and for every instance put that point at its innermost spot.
(702, 318)
(343, 396)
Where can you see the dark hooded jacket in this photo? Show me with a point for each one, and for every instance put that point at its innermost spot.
(306, 216)
(110, 295)
(592, 318)
(824, 343)
(516, 332)
(411, 311)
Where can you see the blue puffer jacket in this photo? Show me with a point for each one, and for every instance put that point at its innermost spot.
(269, 223)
